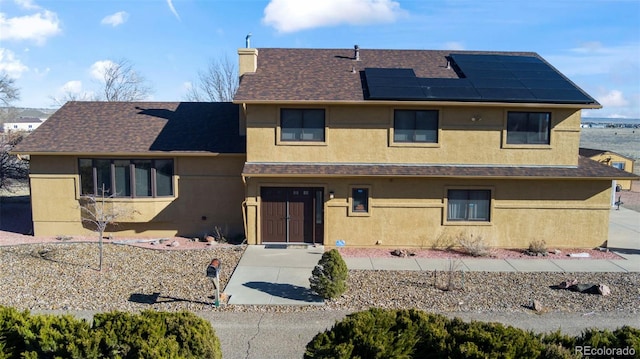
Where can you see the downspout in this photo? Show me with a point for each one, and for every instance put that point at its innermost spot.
(244, 210)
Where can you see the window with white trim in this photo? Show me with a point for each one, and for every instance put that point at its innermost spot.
(468, 205)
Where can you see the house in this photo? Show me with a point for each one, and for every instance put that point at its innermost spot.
(176, 166)
(26, 124)
(611, 159)
(340, 146)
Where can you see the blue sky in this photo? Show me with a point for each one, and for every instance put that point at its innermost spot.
(52, 47)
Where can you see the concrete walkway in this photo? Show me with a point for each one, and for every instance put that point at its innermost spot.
(274, 275)
(277, 275)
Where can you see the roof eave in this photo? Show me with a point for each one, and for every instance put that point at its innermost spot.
(307, 175)
(127, 154)
(420, 103)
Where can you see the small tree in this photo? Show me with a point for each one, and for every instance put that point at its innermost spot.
(11, 166)
(9, 92)
(329, 277)
(123, 83)
(100, 214)
(218, 83)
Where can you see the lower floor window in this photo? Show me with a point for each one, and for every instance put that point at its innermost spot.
(468, 205)
(126, 177)
(360, 197)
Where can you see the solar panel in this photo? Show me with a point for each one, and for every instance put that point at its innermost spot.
(484, 77)
(505, 94)
(534, 83)
(571, 95)
(452, 93)
(397, 93)
(387, 72)
(424, 82)
(497, 83)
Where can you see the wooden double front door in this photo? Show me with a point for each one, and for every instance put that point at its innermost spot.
(292, 214)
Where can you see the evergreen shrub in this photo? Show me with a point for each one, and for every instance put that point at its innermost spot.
(329, 277)
(149, 334)
(410, 333)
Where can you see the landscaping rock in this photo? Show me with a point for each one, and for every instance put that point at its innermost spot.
(585, 288)
(603, 289)
(568, 283)
(399, 253)
(537, 306)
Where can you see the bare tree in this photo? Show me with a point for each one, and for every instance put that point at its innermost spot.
(123, 83)
(11, 166)
(100, 214)
(71, 96)
(218, 83)
(8, 90)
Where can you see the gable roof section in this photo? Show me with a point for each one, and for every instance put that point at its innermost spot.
(333, 75)
(591, 152)
(138, 128)
(586, 169)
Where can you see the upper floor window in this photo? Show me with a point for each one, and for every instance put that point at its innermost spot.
(468, 205)
(415, 126)
(528, 128)
(126, 177)
(302, 124)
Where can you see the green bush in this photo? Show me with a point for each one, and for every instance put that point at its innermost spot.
(329, 277)
(45, 336)
(156, 335)
(620, 338)
(113, 335)
(411, 333)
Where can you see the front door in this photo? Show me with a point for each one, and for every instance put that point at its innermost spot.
(292, 214)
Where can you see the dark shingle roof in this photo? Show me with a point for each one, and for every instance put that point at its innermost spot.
(590, 152)
(328, 75)
(138, 128)
(23, 120)
(586, 169)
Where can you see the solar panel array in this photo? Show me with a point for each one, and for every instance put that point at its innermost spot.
(486, 78)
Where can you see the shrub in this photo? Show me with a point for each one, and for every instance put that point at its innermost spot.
(156, 335)
(473, 246)
(538, 246)
(329, 277)
(620, 338)
(410, 333)
(113, 335)
(45, 336)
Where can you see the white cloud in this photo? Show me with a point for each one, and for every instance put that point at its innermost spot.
(295, 15)
(10, 65)
(173, 9)
(98, 68)
(116, 19)
(36, 27)
(27, 4)
(74, 87)
(613, 98)
(454, 45)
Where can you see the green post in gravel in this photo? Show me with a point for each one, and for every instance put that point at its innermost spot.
(329, 277)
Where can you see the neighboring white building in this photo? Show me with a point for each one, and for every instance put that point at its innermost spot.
(21, 124)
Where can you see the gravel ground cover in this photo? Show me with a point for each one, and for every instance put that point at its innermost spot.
(64, 276)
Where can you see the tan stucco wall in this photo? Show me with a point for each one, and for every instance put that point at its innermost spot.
(411, 212)
(208, 192)
(609, 157)
(362, 134)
